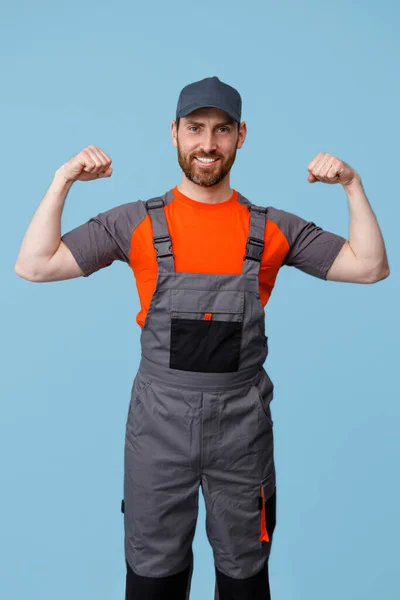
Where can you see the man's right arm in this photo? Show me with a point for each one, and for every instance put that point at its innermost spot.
(43, 256)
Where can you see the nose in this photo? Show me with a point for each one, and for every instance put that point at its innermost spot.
(208, 142)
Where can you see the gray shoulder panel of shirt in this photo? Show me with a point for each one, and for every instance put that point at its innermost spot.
(288, 223)
(105, 237)
(312, 249)
(121, 221)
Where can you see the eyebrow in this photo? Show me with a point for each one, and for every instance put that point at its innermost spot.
(198, 124)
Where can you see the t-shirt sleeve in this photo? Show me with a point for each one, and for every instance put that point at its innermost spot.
(104, 237)
(311, 248)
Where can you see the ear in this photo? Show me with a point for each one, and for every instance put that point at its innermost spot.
(242, 134)
(174, 134)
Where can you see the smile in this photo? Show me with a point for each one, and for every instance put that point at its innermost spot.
(206, 162)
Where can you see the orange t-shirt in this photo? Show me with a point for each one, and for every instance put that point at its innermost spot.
(206, 238)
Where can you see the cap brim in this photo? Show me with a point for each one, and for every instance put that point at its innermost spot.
(193, 107)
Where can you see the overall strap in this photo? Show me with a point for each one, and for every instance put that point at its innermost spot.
(161, 238)
(255, 241)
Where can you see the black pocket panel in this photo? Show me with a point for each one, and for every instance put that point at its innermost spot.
(270, 512)
(206, 346)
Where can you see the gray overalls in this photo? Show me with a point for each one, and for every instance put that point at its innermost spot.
(199, 415)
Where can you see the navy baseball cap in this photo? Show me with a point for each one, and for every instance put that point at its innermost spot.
(209, 92)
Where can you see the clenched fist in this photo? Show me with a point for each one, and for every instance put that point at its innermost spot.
(91, 163)
(328, 169)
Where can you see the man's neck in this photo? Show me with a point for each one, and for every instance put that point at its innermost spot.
(210, 195)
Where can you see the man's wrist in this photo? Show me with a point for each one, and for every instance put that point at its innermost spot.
(355, 184)
(60, 178)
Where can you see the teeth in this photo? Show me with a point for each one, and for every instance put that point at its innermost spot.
(206, 159)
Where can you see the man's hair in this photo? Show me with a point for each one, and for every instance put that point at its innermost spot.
(233, 121)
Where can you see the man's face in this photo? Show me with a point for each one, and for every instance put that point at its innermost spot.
(207, 133)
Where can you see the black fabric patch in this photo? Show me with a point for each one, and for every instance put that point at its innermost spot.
(205, 346)
(123, 506)
(251, 588)
(156, 588)
(270, 515)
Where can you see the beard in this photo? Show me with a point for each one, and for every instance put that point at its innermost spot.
(208, 176)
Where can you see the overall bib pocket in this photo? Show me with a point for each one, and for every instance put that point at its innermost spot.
(206, 330)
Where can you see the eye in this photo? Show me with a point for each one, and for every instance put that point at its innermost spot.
(226, 128)
(192, 127)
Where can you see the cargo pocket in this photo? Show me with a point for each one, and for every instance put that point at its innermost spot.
(139, 386)
(265, 394)
(267, 505)
(206, 330)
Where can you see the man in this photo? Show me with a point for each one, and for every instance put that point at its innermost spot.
(205, 260)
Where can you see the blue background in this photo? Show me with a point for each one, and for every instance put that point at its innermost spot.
(314, 77)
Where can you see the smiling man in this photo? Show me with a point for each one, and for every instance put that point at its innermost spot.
(224, 133)
(205, 260)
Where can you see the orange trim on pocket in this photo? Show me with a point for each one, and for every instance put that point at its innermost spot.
(264, 537)
(208, 316)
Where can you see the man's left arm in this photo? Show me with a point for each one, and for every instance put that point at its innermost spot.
(363, 258)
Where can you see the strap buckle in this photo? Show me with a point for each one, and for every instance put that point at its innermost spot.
(154, 203)
(258, 209)
(254, 249)
(159, 243)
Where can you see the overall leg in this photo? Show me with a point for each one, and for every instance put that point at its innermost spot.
(160, 491)
(238, 483)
